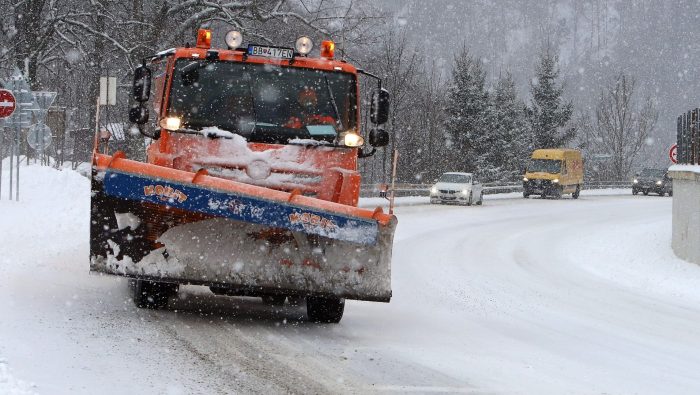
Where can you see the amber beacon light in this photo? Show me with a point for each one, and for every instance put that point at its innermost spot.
(327, 49)
(204, 38)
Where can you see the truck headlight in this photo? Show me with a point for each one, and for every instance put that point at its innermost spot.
(170, 123)
(351, 139)
(525, 179)
(465, 191)
(658, 183)
(635, 181)
(555, 181)
(433, 191)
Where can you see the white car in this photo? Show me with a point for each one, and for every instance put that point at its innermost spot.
(459, 188)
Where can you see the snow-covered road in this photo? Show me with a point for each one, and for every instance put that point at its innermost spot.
(517, 296)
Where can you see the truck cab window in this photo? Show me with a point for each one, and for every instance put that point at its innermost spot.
(264, 103)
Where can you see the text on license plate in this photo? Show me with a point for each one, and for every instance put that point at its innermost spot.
(270, 52)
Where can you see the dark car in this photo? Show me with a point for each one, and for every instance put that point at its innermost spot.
(653, 180)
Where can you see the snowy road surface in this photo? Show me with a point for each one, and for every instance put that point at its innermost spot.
(518, 296)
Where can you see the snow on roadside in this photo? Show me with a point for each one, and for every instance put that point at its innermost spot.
(9, 385)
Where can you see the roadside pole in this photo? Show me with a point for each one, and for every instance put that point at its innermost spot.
(18, 130)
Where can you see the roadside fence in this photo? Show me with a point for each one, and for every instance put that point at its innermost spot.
(374, 190)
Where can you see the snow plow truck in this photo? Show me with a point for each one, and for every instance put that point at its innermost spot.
(250, 181)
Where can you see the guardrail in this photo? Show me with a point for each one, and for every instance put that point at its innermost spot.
(373, 190)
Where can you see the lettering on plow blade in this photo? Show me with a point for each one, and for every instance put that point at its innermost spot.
(237, 206)
(165, 193)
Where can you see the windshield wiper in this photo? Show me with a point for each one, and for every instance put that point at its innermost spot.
(255, 111)
(335, 106)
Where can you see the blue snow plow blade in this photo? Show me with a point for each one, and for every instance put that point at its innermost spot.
(240, 207)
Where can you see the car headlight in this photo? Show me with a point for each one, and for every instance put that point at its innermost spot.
(524, 178)
(635, 181)
(555, 181)
(658, 183)
(433, 190)
(465, 191)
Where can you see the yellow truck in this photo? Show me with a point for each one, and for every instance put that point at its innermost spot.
(554, 172)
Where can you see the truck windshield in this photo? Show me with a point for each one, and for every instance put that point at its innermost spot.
(544, 166)
(263, 103)
(455, 178)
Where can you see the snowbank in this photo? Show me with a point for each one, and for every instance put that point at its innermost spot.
(10, 385)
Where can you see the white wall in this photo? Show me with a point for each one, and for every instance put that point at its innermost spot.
(686, 212)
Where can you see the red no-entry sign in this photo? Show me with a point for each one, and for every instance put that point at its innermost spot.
(673, 153)
(7, 103)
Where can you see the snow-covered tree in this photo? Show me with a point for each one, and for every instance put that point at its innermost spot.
(467, 109)
(620, 128)
(549, 113)
(508, 136)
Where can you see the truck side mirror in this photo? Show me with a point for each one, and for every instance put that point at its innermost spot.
(378, 137)
(138, 114)
(379, 112)
(141, 89)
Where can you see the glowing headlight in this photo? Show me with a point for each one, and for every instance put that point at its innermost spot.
(170, 123)
(555, 181)
(234, 39)
(524, 178)
(353, 139)
(658, 183)
(304, 45)
(433, 190)
(635, 181)
(464, 191)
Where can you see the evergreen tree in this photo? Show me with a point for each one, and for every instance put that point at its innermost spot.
(549, 115)
(467, 105)
(508, 136)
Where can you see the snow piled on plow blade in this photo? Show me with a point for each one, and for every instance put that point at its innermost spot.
(224, 251)
(247, 242)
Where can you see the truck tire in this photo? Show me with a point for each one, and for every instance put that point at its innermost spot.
(634, 191)
(670, 193)
(152, 294)
(469, 202)
(274, 300)
(481, 199)
(526, 195)
(558, 192)
(577, 192)
(645, 192)
(321, 309)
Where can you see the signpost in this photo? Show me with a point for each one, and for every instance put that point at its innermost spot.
(7, 103)
(20, 108)
(673, 153)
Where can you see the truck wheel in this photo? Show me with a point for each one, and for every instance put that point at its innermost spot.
(670, 193)
(481, 199)
(661, 193)
(323, 309)
(543, 195)
(558, 192)
(526, 195)
(577, 192)
(152, 294)
(634, 191)
(274, 300)
(469, 202)
(645, 192)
